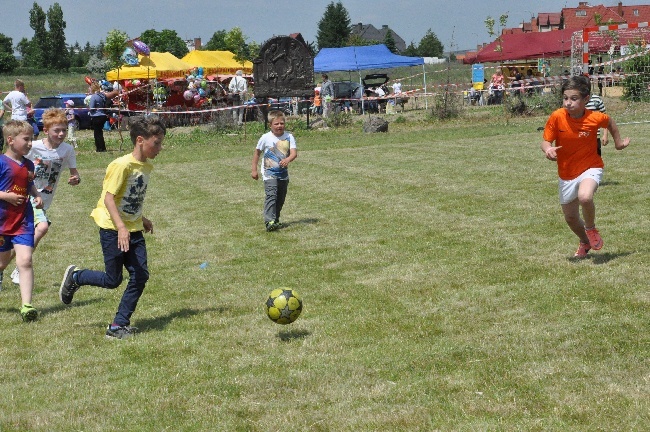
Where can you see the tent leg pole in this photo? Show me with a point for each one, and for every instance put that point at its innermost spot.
(424, 74)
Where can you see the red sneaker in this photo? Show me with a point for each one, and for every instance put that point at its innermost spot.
(583, 251)
(595, 240)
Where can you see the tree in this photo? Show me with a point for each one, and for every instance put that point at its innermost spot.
(217, 42)
(411, 50)
(489, 25)
(7, 60)
(253, 51)
(57, 52)
(97, 66)
(333, 27)
(36, 53)
(164, 41)
(6, 44)
(113, 48)
(389, 41)
(356, 40)
(236, 44)
(77, 58)
(24, 49)
(430, 46)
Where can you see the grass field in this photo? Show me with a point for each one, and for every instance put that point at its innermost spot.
(435, 267)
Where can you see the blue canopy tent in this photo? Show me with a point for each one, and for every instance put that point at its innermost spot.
(358, 58)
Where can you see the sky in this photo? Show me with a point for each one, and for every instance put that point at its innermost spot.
(459, 25)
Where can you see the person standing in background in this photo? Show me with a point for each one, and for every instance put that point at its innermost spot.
(98, 116)
(327, 93)
(238, 87)
(20, 106)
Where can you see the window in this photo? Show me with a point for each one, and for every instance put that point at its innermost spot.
(581, 13)
(635, 12)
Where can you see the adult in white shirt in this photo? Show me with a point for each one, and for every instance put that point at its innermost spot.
(238, 87)
(397, 87)
(17, 102)
(19, 105)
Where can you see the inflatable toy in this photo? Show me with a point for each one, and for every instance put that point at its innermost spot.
(141, 47)
(129, 57)
(105, 85)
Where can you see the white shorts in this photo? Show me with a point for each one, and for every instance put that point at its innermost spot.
(569, 188)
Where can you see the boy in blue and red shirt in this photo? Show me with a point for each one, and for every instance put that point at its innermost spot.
(16, 212)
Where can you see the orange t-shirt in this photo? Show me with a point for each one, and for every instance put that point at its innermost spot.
(317, 100)
(578, 139)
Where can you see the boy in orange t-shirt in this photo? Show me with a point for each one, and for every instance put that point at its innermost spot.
(318, 102)
(574, 130)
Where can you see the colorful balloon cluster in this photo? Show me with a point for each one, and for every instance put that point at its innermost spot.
(197, 86)
(130, 55)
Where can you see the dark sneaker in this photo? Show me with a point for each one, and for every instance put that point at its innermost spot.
(28, 312)
(122, 332)
(272, 226)
(68, 286)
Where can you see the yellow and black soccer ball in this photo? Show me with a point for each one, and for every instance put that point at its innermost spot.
(283, 305)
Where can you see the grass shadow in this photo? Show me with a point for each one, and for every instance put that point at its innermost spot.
(160, 323)
(600, 258)
(609, 183)
(54, 309)
(59, 307)
(289, 335)
(607, 257)
(308, 221)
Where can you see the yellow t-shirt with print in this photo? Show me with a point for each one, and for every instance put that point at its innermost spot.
(126, 178)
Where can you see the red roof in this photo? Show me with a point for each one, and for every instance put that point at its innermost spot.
(524, 46)
(642, 13)
(546, 19)
(585, 16)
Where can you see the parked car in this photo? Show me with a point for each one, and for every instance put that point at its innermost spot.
(346, 89)
(80, 109)
(349, 90)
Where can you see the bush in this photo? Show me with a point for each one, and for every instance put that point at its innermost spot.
(635, 84)
(339, 119)
(7, 62)
(447, 106)
(533, 104)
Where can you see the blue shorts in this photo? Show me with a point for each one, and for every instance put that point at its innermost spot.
(7, 242)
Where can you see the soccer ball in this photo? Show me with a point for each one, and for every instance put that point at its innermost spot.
(283, 305)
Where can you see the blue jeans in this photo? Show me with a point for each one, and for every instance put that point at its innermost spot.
(135, 262)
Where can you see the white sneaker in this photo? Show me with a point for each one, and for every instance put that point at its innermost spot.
(15, 276)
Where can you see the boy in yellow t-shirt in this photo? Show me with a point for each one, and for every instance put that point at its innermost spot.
(121, 224)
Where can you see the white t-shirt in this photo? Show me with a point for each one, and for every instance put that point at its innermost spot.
(397, 87)
(380, 92)
(238, 84)
(274, 149)
(48, 166)
(18, 103)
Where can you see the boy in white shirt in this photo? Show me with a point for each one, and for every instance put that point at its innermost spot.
(50, 156)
